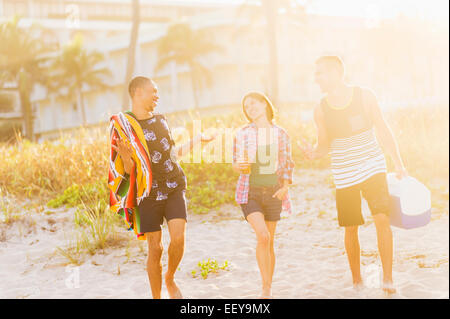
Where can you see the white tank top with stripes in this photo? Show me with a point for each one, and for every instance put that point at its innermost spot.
(356, 158)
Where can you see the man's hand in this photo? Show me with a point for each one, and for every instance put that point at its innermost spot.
(206, 138)
(125, 151)
(306, 148)
(188, 146)
(401, 172)
(281, 193)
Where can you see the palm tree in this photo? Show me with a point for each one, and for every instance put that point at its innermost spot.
(23, 59)
(74, 69)
(6, 102)
(131, 52)
(271, 19)
(270, 10)
(185, 46)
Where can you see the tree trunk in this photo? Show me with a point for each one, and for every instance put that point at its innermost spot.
(131, 53)
(174, 84)
(25, 105)
(81, 106)
(194, 87)
(27, 115)
(271, 15)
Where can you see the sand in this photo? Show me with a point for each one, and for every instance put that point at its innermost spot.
(311, 261)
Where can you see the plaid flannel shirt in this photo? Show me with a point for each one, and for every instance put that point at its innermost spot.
(246, 139)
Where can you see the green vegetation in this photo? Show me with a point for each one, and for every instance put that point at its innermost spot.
(206, 267)
(77, 195)
(210, 185)
(72, 171)
(8, 213)
(95, 230)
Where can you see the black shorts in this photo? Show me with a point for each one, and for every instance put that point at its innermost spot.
(152, 212)
(260, 200)
(348, 200)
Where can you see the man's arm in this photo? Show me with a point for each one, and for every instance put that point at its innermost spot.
(188, 146)
(322, 146)
(383, 131)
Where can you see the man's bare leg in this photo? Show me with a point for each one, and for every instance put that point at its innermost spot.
(154, 266)
(385, 248)
(353, 253)
(177, 228)
(271, 225)
(257, 222)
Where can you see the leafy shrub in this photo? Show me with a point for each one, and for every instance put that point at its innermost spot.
(209, 266)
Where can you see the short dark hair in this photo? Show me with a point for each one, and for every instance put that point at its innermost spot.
(332, 61)
(270, 109)
(137, 82)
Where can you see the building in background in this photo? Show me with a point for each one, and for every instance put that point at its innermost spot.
(400, 60)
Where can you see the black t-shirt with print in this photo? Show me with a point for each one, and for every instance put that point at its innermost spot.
(167, 174)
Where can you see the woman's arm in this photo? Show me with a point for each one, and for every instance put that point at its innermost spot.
(238, 165)
(286, 165)
(286, 162)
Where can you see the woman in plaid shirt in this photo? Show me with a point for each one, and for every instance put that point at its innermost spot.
(262, 156)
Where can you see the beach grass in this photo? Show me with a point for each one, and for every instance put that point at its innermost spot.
(79, 164)
(72, 170)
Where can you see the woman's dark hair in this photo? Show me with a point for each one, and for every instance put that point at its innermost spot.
(270, 109)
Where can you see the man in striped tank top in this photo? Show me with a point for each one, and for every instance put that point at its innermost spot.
(349, 125)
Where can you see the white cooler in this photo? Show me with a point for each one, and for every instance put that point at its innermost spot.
(410, 202)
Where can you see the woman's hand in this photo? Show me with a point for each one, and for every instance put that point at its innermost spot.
(242, 167)
(281, 193)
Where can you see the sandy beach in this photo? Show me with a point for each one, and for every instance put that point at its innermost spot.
(311, 261)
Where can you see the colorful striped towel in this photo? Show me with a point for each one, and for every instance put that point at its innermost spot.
(127, 192)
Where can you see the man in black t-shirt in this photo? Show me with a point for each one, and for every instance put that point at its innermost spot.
(167, 196)
(167, 173)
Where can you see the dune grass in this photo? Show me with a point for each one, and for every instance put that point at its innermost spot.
(43, 170)
(9, 213)
(72, 171)
(423, 137)
(79, 165)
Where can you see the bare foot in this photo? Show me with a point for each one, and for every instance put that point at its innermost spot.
(266, 293)
(358, 286)
(388, 287)
(172, 288)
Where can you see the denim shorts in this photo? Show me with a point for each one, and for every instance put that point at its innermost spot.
(260, 200)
